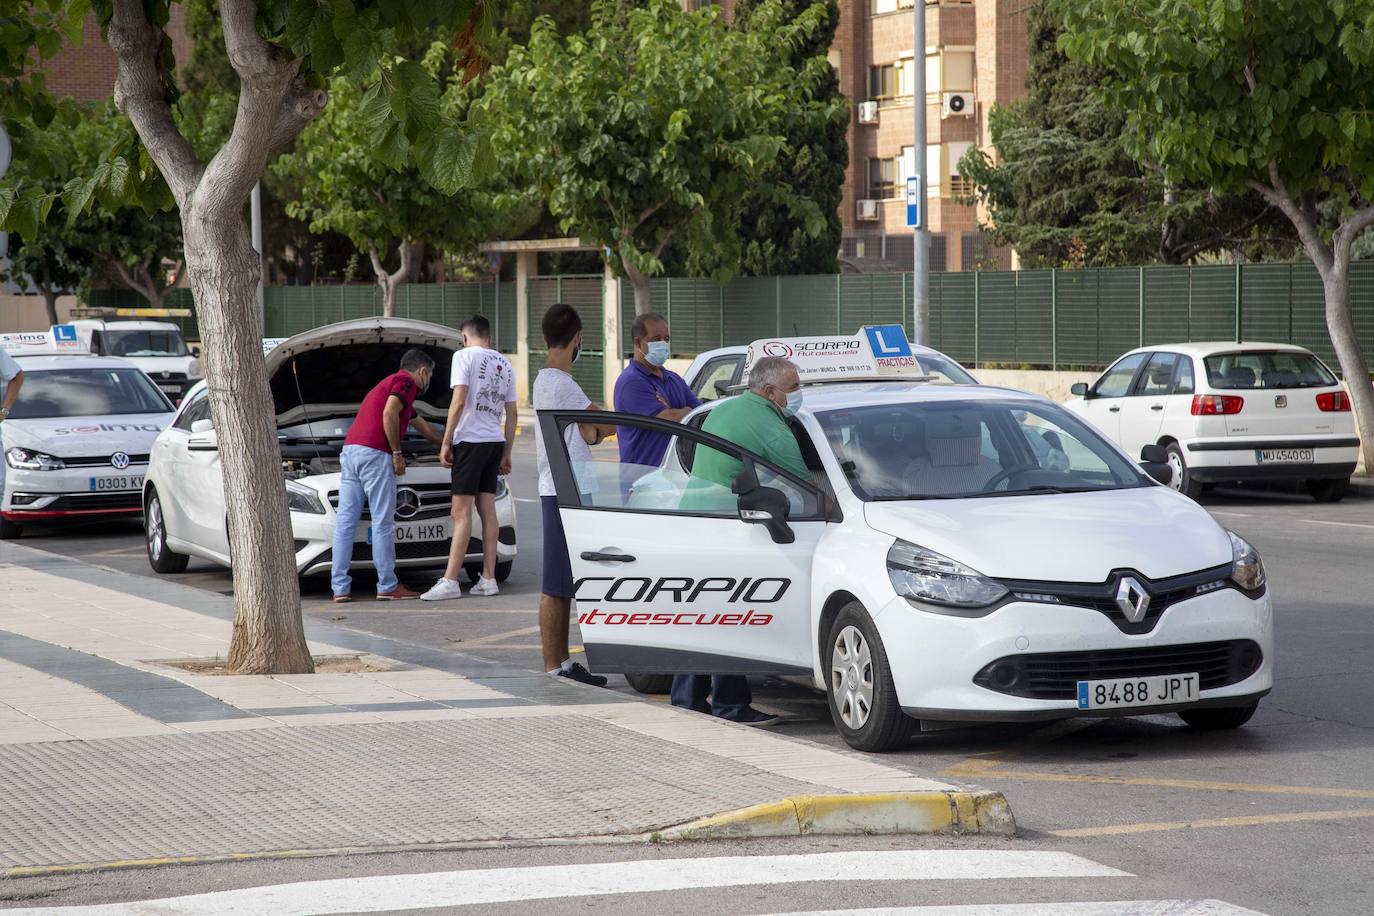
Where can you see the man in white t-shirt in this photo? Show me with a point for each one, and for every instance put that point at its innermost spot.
(556, 389)
(478, 439)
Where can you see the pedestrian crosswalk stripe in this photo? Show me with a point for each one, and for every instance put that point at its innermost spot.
(1081, 908)
(383, 893)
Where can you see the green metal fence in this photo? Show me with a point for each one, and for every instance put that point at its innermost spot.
(1035, 318)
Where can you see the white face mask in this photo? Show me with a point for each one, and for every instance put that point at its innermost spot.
(794, 403)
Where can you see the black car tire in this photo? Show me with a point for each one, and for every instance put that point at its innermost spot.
(884, 726)
(1329, 490)
(650, 683)
(474, 571)
(161, 558)
(10, 530)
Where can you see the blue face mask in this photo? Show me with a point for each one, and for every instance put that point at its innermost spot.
(794, 403)
(656, 353)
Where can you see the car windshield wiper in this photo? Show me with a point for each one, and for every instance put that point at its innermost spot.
(1042, 488)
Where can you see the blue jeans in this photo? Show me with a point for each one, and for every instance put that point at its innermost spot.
(730, 693)
(367, 476)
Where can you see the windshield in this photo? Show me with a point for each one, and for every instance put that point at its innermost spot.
(983, 448)
(1276, 369)
(87, 393)
(943, 370)
(144, 343)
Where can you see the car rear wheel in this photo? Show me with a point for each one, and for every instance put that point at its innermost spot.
(10, 530)
(1218, 718)
(1181, 480)
(474, 571)
(863, 698)
(650, 683)
(160, 557)
(1329, 491)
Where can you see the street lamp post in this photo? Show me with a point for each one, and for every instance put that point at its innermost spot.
(920, 268)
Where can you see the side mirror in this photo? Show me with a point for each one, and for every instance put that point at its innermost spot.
(195, 351)
(767, 506)
(722, 388)
(203, 437)
(1154, 460)
(1081, 389)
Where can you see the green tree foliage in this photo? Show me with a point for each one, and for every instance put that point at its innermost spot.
(1066, 190)
(649, 126)
(807, 178)
(334, 183)
(1269, 96)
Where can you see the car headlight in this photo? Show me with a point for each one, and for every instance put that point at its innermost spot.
(193, 370)
(926, 576)
(29, 460)
(303, 499)
(1247, 570)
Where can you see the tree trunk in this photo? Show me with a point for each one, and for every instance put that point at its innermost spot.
(1340, 323)
(140, 280)
(49, 301)
(640, 284)
(391, 282)
(268, 635)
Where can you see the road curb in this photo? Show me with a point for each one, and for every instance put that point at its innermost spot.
(952, 811)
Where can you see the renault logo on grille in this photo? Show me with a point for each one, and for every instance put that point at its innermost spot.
(407, 503)
(119, 461)
(1133, 600)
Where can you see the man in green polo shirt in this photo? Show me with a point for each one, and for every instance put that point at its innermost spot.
(755, 421)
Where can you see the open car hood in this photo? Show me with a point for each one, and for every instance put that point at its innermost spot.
(331, 369)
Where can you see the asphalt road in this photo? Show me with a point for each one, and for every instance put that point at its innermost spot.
(1278, 816)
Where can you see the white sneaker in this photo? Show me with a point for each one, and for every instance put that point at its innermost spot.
(485, 586)
(443, 590)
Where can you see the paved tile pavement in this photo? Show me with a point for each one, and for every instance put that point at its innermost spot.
(106, 753)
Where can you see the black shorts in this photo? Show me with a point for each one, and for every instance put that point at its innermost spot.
(475, 467)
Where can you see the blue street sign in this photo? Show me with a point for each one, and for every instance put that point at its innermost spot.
(913, 202)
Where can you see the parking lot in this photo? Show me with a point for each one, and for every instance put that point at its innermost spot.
(1297, 778)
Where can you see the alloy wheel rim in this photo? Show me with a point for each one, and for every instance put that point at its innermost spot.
(851, 677)
(1176, 463)
(155, 529)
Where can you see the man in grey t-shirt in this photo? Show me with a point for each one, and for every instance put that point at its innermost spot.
(556, 389)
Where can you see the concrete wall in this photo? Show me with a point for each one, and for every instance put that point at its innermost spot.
(1053, 385)
(27, 313)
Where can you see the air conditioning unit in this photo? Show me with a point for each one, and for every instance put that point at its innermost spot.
(868, 112)
(957, 105)
(868, 209)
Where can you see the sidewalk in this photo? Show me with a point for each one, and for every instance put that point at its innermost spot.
(108, 756)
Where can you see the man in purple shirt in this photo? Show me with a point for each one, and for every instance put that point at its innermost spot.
(648, 389)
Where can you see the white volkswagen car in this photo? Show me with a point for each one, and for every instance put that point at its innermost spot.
(76, 444)
(1229, 412)
(319, 379)
(935, 566)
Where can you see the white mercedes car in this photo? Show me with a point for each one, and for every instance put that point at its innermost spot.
(76, 444)
(319, 379)
(1229, 412)
(936, 566)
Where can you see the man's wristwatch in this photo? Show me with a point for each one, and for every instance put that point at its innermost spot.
(4, 411)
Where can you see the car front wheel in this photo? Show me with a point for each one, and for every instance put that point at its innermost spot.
(863, 698)
(1218, 718)
(1181, 480)
(474, 571)
(160, 557)
(10, 530)
(650, 683)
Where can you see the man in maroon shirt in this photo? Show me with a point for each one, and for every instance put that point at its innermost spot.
(369, 464)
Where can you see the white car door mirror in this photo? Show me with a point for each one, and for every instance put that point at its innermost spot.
(203, 437)
(1080, 389)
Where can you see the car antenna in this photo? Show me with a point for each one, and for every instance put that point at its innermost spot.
(295, 377)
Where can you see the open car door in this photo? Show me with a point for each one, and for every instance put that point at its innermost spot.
(677, 574)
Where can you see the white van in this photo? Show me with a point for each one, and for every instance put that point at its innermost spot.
(156, 347)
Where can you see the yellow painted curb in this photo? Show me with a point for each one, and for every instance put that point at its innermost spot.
(953, 811)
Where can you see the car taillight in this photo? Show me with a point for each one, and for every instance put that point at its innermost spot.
(1208, 405)
(1333, 402)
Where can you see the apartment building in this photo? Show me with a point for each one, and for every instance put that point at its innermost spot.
(86, 72)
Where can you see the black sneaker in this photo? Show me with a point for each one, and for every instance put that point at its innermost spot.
(756, 718)
(576, 672)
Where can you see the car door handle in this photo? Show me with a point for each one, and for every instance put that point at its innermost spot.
(600, 556)
(1114, 409)
(1156, 406)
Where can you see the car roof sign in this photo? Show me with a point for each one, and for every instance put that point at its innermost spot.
(271, 343)
(873, 352)
(60, 338)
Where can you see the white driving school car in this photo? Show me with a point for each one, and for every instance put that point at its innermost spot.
(319, 378)
(1229, 412)
(937, 565)
(76, 444)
